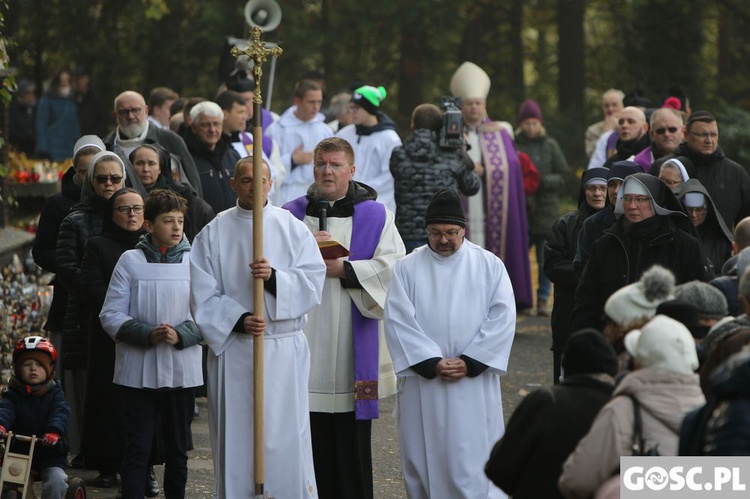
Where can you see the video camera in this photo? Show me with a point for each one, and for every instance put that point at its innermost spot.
(452, 133)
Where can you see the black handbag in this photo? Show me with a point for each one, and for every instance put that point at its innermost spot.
(638, 447)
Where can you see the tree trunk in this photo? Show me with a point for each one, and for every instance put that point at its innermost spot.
(517, 84)
(572, 79)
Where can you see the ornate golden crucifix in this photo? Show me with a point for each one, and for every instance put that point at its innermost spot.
(258, 53)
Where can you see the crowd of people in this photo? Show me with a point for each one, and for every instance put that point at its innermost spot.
(150, 243)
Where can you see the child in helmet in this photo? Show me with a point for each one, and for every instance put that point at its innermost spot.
(34, 404)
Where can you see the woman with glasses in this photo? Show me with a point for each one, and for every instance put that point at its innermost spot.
(102, 434)
(105, 174)
(712, 229)
(651, 228)
(151, 164)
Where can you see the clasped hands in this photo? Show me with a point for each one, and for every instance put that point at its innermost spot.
(451, 369)
(163, 333)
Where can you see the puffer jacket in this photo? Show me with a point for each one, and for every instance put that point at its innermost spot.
(420, 168)
(84, 221)
(55, 209)
(665, 398)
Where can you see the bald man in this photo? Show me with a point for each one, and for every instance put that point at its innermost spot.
(632, 131)
(728, 281)
(133, 130)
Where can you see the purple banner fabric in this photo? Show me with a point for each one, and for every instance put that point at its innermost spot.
(367, 225)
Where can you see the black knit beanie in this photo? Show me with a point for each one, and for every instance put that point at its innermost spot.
(445, 208)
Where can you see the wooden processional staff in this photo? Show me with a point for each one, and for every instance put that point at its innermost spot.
(257, 52)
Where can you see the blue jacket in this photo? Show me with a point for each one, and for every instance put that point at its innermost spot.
(36, 414)
(57, 127)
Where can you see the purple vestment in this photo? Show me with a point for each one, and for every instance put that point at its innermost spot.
(367, 225)
(506, 226)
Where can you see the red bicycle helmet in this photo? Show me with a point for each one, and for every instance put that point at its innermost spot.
(35, 343)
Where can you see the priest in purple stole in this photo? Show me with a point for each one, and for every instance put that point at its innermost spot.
(350, 366)
(496, 216)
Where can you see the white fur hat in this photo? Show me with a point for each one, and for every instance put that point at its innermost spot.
(640, 299)
(663, 343)
(470, 82)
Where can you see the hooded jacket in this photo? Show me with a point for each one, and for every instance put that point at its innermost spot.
(713, 232)
(373, 146)
(665, 397)
(420, 168)
(628, 249)
(726, 181)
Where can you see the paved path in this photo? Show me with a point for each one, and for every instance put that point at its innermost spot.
(530, 366)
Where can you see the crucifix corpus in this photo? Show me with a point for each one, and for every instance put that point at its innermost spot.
(257, 52)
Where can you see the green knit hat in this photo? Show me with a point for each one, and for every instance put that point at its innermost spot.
(369, 98)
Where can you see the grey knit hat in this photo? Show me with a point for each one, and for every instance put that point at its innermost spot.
(711, 303)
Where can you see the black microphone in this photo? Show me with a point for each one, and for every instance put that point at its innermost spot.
(322, 206)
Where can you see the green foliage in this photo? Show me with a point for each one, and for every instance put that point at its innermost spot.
(734, 139)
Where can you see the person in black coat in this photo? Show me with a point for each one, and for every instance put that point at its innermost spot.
(547, 425)
(594, 226)
(712, 231)
(151, 163)
(726, 181)
(722, 426)
(213, 154)
(560, 249)
(55, 209)
(651, 229)
(103, 438)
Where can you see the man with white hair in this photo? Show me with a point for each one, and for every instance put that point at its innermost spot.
(133, 130)
(496, 215)
(213, 154)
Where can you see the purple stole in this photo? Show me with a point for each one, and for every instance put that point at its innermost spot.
(506, 226)
(367, 225)
(612, 144)
(247, 141)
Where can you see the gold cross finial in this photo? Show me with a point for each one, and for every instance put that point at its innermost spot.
(257, 52)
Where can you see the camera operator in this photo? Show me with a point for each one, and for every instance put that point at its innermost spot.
(433, 157)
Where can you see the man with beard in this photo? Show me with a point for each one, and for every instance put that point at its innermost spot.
(213, 154)
(725, 180)
(667, 131)
(450, 322)
(133, 129)
(631, 130)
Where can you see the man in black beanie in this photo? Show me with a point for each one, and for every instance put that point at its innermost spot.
(547, 425)
(450, 322)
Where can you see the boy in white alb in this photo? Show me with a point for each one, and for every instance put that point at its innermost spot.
(158, 363)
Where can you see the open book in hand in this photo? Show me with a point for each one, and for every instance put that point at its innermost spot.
(332, 249)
